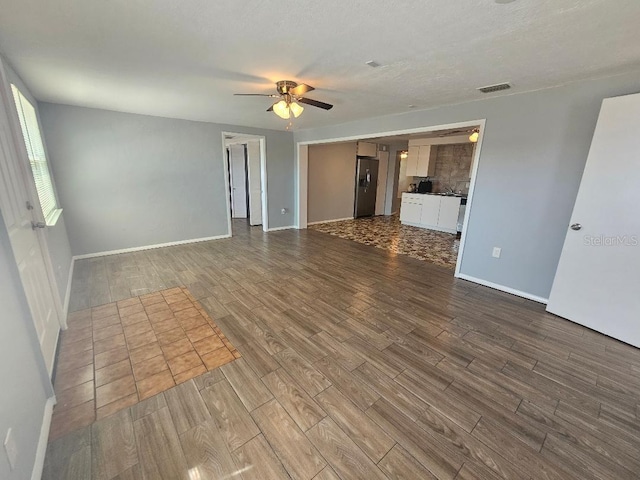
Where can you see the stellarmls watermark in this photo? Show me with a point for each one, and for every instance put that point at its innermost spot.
(611, 240)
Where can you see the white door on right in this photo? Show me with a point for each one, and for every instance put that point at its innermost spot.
(238, 181)
(597, 283)
(255, 183)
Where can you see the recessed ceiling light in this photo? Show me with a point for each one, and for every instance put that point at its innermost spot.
(372, 64)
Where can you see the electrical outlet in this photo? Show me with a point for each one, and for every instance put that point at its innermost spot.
(11, 449)
(496, 252)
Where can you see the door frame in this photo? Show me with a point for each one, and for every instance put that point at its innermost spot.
(386, 179)
(244, 138)
(302, 169)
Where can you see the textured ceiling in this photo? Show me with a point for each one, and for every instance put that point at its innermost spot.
(185, 58)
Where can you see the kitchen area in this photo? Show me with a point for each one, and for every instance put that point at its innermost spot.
(436, 177)
(404, 193)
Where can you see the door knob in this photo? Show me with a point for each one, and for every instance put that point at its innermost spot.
(35, 225)
(576, 226)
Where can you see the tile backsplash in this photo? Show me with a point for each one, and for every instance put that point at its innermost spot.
(453, 164)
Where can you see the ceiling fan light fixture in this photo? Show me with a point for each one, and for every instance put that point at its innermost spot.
(282, 109)
(290, 95)
(473, 138)
(296, 109)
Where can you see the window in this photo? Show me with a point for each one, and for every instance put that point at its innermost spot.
(37, 157)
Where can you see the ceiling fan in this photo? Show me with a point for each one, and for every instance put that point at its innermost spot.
(291, 96)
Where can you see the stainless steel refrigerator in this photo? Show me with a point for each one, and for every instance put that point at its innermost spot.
(366, 187)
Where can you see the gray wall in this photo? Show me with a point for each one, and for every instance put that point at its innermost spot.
(534, 150)
(331, 187)
(23, 377)
(56, 235)
(128, 180)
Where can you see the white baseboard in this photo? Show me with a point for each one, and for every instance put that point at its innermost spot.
(280, 228)
(330, 221)
(67, 295)
(502, 288)
(150, 247)
(41, 451)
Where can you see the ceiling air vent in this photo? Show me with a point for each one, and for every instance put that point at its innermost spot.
(495, 88)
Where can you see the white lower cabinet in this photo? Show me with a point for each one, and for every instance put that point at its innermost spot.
(430, 210)
(410, 212)
(448, 217)
(433, 212)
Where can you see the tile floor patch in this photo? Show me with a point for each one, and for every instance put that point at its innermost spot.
(116, 355)
(387, 233)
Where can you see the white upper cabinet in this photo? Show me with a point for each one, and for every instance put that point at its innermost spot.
(421, 161)
(426, 164)
(412, 161)
(367, 149)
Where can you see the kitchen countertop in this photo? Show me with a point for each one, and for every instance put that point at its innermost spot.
(457, 195)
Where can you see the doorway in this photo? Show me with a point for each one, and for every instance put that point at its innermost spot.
(21, 210)
(433, 135)
(246, 179)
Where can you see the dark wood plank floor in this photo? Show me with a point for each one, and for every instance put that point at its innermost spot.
(358, 363)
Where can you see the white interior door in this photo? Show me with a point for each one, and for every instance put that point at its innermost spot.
(238, 181)
(14, 198)
(381, 193)
(255, 184)
(597, 283)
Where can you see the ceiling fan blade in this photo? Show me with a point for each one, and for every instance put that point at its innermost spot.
(316, 103)
(270, 109)
(255, 95)
(301, 89)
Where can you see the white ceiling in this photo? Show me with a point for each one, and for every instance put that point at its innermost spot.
(185, 58)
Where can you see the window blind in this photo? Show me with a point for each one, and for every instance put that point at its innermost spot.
(36, 154)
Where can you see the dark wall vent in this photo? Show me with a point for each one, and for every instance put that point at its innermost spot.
(495, 88)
